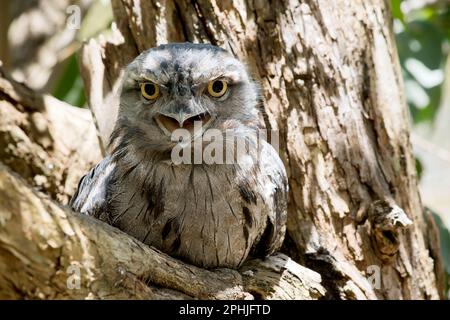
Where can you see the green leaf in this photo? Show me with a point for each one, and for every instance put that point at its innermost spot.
(70, 87)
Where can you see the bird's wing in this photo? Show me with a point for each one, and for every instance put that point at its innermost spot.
(275, 191)
(91, 195)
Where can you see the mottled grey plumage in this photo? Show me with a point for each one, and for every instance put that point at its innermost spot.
(212, 215)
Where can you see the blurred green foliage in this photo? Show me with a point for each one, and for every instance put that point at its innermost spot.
(423, 43)
(97, 20)
(70, 87)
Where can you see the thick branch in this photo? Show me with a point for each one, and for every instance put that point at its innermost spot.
(50, 244)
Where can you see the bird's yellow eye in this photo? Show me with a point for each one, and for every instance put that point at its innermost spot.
(217, 88)
(149, 90)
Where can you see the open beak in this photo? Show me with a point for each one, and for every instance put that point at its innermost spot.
(171, 122)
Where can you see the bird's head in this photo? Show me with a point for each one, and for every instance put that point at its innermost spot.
(176, 85)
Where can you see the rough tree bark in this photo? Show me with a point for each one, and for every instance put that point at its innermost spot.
(333, 89)
(48, 142)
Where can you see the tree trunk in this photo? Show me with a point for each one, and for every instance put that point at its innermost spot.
(332, 87)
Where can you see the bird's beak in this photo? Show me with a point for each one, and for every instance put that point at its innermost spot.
(169, 122)
(181, 117)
